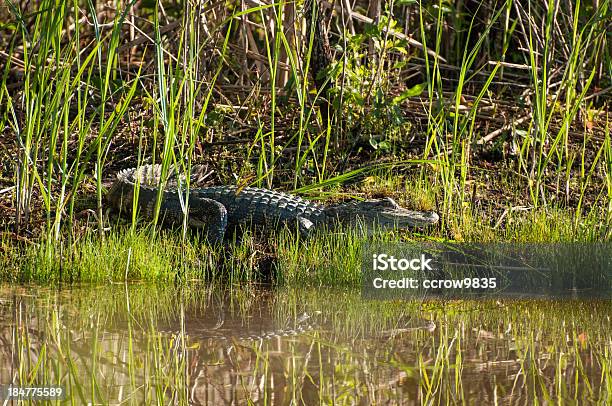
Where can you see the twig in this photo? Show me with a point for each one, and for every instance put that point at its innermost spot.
(360, 17)
(143, 37)
(511, 65)
(506, 127)
(8, 189)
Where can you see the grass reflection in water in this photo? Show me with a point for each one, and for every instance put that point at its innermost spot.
(152, 344)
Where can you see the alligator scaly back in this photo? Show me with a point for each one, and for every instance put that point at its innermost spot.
(215, 208)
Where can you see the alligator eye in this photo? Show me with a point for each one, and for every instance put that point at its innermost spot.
(390, 203)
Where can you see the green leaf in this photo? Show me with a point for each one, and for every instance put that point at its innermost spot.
(413, 91)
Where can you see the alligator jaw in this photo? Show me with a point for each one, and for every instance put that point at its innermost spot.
(382, 213)
(403, 218)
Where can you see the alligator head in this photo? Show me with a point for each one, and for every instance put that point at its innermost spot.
(382, 213)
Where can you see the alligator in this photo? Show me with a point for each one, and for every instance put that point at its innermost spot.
(215, 209)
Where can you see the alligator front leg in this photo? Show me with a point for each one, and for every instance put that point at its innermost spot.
(208, 215)
(204, 214)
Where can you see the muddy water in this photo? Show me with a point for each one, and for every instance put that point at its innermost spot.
(143, 344)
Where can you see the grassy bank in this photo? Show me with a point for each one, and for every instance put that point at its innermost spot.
(334, 259)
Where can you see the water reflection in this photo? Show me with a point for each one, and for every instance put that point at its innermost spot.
(148, 344)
